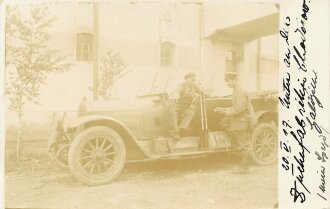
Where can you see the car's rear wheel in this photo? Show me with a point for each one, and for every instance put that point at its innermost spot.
(264, 144)
(58, 150)
(97, 155)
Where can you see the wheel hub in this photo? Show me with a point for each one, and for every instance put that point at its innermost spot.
(98, 155)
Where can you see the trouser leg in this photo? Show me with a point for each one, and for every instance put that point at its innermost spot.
(244, 153)
(233, 140)
(188, 116)
(246, 148)
(175, 118)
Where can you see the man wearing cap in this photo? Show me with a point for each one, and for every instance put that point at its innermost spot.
(236, 121)
(186, 95)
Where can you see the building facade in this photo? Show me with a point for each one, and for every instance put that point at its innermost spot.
(163, 40)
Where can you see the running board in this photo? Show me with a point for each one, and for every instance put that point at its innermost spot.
(189, 154)
(184, 145)
(194, 154)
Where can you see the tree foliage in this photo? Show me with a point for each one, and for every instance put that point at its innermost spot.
(112, 68)
(28, 57)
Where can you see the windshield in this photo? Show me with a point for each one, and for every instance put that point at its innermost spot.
(162, 81)
(146, 81)
(166, 81)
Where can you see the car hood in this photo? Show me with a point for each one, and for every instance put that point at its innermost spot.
(119, 105)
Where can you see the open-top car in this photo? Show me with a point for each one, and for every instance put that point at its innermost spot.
(96, 145)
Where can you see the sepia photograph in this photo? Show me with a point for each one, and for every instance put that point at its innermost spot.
(141, 104)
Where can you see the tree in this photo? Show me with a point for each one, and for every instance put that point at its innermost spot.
(112, 68)
(28, 58)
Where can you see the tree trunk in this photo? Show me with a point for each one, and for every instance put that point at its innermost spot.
(19, 138)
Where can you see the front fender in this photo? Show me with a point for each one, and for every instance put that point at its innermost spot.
(128, 137)
(89, 118)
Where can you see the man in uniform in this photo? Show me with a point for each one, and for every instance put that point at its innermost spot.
(237, 120)
(187, 95)
(82, 110)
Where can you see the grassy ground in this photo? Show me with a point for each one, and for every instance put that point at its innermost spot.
(34, 157)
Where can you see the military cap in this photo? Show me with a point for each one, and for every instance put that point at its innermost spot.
(189, 75)
(231, 74)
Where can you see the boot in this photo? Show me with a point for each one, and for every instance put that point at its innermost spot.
(244, 164)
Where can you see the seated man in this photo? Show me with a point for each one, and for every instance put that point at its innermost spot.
(187, 95)
(238, 118)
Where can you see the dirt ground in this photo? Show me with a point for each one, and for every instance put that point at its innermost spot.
(185, 183)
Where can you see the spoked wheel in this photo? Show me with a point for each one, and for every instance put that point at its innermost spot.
(97, 156)
(58, 150)
(264, 144)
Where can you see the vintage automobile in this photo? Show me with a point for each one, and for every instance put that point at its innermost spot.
(95, 146)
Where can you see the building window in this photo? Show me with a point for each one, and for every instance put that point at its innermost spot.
(231, 61)
(167, 54)
(84, 47)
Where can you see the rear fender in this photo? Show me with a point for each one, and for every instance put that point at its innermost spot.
(134, 150)
(267, 117)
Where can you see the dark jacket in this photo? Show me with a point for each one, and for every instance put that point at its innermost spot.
(241, 113)
(188, 93)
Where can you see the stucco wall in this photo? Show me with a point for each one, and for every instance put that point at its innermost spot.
(135, 31)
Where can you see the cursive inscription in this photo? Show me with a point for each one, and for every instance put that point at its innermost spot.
(304, 145)
(299, 54)
(322, 184)
(321, 155)
(313, 103)
(285, 101)
(299, 96)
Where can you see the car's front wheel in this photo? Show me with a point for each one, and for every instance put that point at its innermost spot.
(97, 155)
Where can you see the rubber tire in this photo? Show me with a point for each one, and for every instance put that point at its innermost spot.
(81, 140)
(255, 131)
(52, 152)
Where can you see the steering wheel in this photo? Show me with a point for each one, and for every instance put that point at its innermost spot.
(163, 94)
